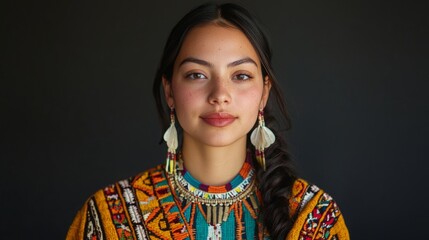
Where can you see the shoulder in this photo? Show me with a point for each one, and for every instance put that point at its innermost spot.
(119, 208)
(142, 187)
(316, 213)
(126, 190)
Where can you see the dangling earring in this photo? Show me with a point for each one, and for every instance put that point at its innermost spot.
(170, 137)
(262, 137)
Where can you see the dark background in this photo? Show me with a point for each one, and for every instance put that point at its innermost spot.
(77, 110)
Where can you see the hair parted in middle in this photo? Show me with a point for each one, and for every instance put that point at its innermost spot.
(276, 182)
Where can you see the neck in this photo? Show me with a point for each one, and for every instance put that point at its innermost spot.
(213, 165)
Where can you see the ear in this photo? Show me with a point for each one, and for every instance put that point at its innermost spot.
(168, 92)
(265, 92)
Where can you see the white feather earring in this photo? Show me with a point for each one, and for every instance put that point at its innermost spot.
(261, 137)
(170, 137)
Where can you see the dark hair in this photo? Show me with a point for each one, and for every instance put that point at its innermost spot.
(276, 182)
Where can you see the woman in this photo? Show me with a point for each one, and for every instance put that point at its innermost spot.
(230, 178)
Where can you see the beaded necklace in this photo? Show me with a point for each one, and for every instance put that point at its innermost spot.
(217, 202)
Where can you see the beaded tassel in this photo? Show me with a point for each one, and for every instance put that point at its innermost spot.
(170, 137)
(216, 213)
(225, 213)
(209, 214)
(261, 137)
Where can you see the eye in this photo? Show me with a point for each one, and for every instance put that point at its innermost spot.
(242, 77)
(194, 76)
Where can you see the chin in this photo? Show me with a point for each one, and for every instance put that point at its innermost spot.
(221, 142)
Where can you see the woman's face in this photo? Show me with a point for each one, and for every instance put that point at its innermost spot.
(217, 86)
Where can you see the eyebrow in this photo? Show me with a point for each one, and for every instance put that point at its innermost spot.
(195, 60)
(207, 64)
(242, 61)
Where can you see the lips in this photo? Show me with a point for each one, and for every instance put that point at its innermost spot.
(218, 119)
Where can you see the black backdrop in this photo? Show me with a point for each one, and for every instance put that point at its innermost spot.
(77, 111)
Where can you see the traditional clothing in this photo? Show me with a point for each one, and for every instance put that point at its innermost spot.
(157, 205)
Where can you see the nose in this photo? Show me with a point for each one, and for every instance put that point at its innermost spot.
(219, 92)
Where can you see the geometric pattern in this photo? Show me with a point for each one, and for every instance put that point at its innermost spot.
(145, 207)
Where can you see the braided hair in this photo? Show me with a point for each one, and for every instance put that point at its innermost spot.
(276, 181)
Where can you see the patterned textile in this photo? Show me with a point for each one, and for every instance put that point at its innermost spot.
(239, 182)
(318, 215)
(235, 218)
(147, 207)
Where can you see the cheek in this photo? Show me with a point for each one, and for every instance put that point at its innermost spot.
(251, 98)
(187, 103)
(249, 101)
(182, 96)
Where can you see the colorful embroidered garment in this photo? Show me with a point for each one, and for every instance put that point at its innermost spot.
(220, 212)
(149, 206)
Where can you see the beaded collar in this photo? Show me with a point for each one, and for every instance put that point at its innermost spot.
(217, 200)
(229, 190)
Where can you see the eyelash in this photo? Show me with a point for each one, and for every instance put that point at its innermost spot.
(247, 77)
(193, 76)
(240, 76)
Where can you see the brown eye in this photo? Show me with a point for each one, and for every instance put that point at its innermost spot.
(194, 76)
(242, 77)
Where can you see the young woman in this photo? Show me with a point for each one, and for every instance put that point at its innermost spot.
(228, 173)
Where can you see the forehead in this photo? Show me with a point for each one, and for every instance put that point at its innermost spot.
(217, 44)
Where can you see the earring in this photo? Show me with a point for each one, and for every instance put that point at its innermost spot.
(261, 137)
(170, 137)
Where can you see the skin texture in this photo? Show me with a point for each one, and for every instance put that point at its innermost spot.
(216, 89)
